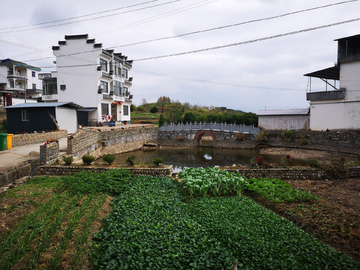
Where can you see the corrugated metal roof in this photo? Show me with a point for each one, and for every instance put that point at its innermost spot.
(44, 105)
(332, 73)
(283, 112)
(88, 109)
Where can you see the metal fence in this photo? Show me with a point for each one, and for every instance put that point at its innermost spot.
(211, 126)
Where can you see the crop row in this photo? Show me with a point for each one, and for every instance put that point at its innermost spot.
(216, 182)
(151, 228)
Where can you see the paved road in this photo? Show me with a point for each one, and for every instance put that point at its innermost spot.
(19, 154)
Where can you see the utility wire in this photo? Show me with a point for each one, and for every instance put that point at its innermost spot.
(233, 25)
(83, 16)
(248, 41)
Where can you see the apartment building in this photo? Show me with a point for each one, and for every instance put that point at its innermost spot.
(93, 77)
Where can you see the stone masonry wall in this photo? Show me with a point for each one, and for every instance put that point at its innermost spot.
(49, 153)
(33, 138)
(98, 142)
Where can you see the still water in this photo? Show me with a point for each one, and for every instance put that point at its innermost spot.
(197, 157)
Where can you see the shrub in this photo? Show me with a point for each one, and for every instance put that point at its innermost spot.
(88, 159)
(335, 168)
(132, 108)
(154, 109)
(289, 161)
(260, 160)
(239, 137)
(4, 124)
(262, 136)
(108, 158)
(289, 134)
(313, 162)
(130, 160)
(303, 140)
(68, 160)
(157, 161)
(253, 161)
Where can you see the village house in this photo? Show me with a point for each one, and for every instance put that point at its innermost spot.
(337, 106)
(95, 78)
(19, 82)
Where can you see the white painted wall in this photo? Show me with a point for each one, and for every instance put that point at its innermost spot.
(289, 122)
(67, 118)
(339, 115)
(350, 79)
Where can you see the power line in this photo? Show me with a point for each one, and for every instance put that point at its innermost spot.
(248, 41)
(212, 82)
(233, 25)
(83, 16)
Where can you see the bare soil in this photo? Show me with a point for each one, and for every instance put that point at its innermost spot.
(334, 219)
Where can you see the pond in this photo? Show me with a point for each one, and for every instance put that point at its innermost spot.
(198, 157)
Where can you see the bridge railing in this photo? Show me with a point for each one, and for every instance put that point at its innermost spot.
(211, 126)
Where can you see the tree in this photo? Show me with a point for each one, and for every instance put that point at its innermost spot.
(132, 107)
(189, 117)
(154, 109)
(144, 101)
(162, 120)
(162, 101)
(176, 114)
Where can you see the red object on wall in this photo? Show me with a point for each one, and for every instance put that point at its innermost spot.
(119, 111)
(120, 102)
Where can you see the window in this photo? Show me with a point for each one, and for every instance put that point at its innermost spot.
(117, 88)
(117, 70)
(126, 109)
(62, 87)
(24, 115)
(104, 109)
(124, 73)
(103, 64)
(105, 86)
(125, 91)
(34, 86)
(12, 84)
(33, 74)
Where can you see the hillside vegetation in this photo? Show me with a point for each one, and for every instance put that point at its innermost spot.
(167, 111)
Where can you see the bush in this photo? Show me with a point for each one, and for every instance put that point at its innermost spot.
(239, 137)
(262, 136)
(158, 160)
(68, 160)
(108, 158)
(88, 159)
(335, 168)
(132, 108)
(289, 134)
(313, 162)
(130, 160)
(260, 160)
(154, 109)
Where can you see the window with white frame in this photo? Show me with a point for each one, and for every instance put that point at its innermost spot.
(125, 91)
(63, 87)
(105, 86)
(24, 115)
(117, 88)
(117, 70)
(33, 74)
(126, 109)
(103, 64)
(34, 86)
(104, 109)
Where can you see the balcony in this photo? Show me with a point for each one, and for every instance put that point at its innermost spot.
(16, 76)
(325, 95)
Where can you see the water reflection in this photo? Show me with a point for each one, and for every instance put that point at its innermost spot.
(197, 157)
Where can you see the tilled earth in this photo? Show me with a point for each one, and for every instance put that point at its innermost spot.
(334, 219)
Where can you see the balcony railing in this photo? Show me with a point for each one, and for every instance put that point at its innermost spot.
(16, 76)
(325, 95)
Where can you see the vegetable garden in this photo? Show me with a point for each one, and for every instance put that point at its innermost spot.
(203, 222)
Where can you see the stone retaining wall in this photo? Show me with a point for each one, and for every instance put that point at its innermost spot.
(98, 142)
(49, 153)
(34, 138)
(8, 175)
(69, 170)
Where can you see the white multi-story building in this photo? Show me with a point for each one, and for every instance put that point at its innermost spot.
(92, 77)
(338, 107)
(19, 82)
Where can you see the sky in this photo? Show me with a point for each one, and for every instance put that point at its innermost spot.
(247, 55)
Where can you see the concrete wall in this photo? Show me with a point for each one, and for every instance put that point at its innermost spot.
(290, 122)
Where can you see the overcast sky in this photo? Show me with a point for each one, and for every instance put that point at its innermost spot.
(248, 76)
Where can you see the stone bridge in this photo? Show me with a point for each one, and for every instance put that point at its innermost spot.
(196, 131)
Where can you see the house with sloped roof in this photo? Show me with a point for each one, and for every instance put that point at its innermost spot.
(337, 104)
(42, 116)
(291, 119)
(19, 82)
